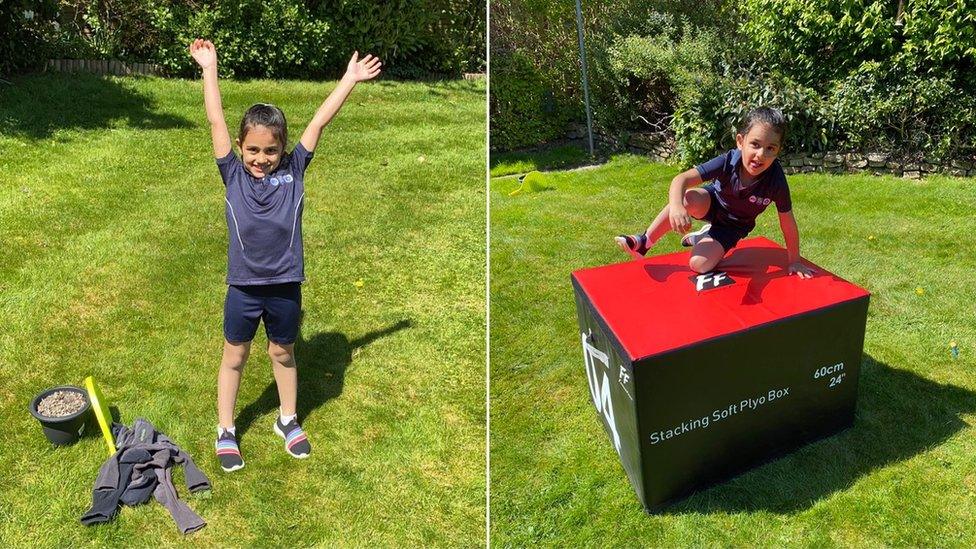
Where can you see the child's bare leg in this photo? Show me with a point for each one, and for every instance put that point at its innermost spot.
(705, 255)
(696, 201)
(286, 377)
(229, 380)
(285, 374)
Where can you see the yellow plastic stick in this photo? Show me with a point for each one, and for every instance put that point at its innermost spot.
(102, 413)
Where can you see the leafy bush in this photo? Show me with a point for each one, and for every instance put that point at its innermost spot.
(641, 79)
(24, 26)
(820, 41)
(255, 38)
(887, 107)
(544, 31)
(905, 87)
(413, 37)
(524, 109)
(708, 118)
(262, 38)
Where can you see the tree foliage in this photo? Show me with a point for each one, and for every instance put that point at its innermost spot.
(267, 38)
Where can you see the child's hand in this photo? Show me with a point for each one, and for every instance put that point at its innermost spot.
(801, 270)
(680, 220)
(363, 69)
(204, 52)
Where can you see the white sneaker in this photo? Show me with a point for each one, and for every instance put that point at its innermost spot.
(693, 237)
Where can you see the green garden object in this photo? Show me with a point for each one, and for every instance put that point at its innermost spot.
(530, 183)
(102, 413)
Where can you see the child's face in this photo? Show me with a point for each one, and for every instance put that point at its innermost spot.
(759, 147)
(260, 151)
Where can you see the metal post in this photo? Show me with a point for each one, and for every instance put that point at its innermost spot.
(586, 83)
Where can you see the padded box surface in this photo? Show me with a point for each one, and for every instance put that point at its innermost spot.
(699, 377)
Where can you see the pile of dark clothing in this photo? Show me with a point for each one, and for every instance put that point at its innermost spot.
(142, 466)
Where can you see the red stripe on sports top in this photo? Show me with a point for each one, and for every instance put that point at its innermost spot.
(652, 307)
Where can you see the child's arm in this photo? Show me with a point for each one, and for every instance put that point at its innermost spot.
(357, 71)
(787, 223)
(205, 54)
(678, 214)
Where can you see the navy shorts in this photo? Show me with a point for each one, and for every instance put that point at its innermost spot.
(723, 233)
(279, 305)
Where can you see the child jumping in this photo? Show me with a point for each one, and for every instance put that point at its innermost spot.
(743, 182)
(264, 192)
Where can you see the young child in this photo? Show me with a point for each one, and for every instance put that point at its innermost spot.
(265, 266)
(743, 182)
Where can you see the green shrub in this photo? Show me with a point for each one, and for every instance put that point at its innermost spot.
(641, 79)
(413, 37)
(524, 109)
(890, 107)
(24, 28)
(280, 38)
(817, 41)
(255, 38)
(545, 32)
(843, 73)
(820, 41)
(707, 119)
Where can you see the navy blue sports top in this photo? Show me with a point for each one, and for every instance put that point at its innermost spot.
(739, 206)
(264, 220)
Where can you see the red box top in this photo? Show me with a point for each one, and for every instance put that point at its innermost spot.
(653, 306)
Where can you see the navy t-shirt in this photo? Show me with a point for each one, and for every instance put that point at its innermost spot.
(264, 220)
(739, 206)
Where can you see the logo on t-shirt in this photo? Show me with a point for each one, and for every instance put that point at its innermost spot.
(275, 181)
(759, 201)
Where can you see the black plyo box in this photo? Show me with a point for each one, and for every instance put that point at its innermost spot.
(684, 415)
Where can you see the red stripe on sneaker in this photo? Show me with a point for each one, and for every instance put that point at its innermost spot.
(298, 439)
(228, 451)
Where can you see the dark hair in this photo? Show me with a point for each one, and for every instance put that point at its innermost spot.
(269, 116)
(765, 115)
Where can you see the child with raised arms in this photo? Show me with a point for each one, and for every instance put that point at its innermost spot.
(264, 192)
(742, 183)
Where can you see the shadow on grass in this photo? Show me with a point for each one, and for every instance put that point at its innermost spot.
(899, 415)
(38, 106)
(322, 363)
(557, 156)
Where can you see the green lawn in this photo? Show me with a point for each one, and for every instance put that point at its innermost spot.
(113, 265)
(561, 157)
(905, 474)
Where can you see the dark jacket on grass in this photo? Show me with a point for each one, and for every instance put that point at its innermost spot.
(141, 467)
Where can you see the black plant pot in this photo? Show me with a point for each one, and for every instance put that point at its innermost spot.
(61, 431)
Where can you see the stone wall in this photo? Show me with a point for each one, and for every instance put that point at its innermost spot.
(662, 149)
(872, 162)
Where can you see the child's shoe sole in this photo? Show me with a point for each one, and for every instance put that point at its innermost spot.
(232, 469)
(693, 237)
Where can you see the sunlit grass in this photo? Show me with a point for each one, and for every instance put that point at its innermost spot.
(113, 265)
(903, 475)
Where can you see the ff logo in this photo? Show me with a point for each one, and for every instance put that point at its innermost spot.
(600, 385)
(711, 280)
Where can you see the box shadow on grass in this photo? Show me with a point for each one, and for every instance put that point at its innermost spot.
(323, 360)
(899, 415)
